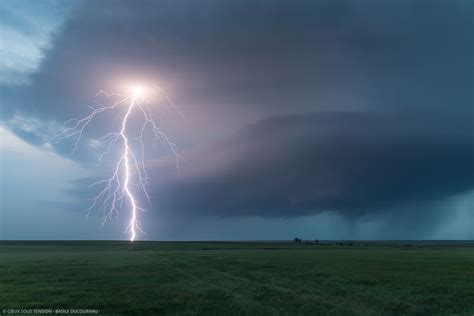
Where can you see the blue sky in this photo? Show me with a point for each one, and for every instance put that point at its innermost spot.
(27, 29)
(348, 120)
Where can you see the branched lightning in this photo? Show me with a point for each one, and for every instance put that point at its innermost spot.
(128, 177)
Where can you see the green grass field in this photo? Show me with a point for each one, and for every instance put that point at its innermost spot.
(187, 278)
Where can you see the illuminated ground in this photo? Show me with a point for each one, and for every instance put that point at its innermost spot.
(153, 278)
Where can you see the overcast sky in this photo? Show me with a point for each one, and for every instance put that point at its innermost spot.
(317, 119)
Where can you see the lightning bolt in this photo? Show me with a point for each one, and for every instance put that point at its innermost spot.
(129, 176)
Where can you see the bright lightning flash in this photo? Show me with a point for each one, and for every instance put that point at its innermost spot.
(129, 174)
(137, 91)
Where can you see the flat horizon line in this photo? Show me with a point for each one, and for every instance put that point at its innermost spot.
(237, 240)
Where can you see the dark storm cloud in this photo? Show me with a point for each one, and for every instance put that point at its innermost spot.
(353, 163)
(369, 60)
(312, 54)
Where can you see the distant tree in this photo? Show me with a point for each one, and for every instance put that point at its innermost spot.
(316, 241)
(297, 240)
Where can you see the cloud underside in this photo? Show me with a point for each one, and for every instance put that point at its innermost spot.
(350, 163)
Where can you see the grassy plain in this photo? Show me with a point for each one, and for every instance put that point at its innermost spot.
(223, 278)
